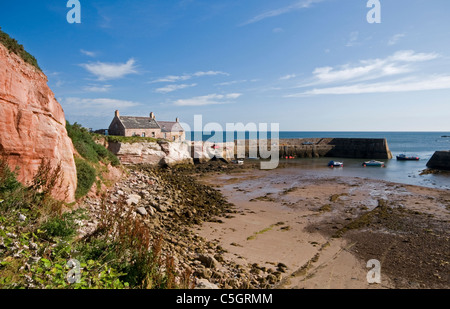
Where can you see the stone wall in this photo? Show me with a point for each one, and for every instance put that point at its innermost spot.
(440, 160)
(364, 148)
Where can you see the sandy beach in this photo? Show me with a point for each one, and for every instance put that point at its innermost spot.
(320, 231)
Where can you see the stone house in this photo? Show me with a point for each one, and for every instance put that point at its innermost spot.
(146, 127)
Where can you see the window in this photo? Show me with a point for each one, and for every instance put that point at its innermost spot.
(165, 135)
(143, 134)
(174, 138)
(153, 134)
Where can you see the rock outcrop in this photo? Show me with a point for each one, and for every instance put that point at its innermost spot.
(440, 161)
(153, 153)
(32, 124)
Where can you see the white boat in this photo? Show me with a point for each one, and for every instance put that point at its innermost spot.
(335, 164)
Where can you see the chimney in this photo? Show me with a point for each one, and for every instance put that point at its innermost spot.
(116, 113)
(152, 115)
(177, 120)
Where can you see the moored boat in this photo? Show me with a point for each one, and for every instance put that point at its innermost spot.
(373, 163)
(403, 157)
(335, 164)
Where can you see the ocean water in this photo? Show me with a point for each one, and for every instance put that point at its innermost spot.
(421, 144)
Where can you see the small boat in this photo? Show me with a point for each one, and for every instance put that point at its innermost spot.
(335, 164)
(403, 157)
(373, 163)
(238, 161)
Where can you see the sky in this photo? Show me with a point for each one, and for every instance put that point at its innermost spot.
(307, 65)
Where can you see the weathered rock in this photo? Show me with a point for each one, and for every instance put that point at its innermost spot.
(133, 199)
(163, 153)
(142, 211)
(161, 207)
(204, 284)
(33, 125)
(208, 261)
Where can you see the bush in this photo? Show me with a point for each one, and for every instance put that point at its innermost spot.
(64, 225)
(85, 177)
(13, 46)
(86, 146)
(8, 181)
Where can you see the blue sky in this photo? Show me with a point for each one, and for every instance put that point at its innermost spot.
(309, 65)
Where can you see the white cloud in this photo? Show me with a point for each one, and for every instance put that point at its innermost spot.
(398, 63)
(184, 77)
(354, 79)
(94, 107)
(352, 41)
(171, 88)
(394, 39)
(97, 88)
(88, 53)
(277, 30)
(231, 82)
(209, 73)
(411, 56)
(402, 85)
(107, 71)
(304, 4)
(287, 77)
(211, 99)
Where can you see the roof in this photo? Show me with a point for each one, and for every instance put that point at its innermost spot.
(130, 122)
(170, 126)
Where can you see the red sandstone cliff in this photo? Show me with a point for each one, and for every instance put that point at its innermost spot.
(32, 123)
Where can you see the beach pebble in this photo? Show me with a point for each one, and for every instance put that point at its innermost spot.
(204, 284)
(133, 199)
(142, 211)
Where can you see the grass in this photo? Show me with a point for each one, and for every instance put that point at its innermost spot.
(86, 176)
(89, 169)
(86, 146)
(13, 46)
(38, 238)
(132, 139)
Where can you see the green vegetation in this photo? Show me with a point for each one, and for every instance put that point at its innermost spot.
(86, 176)
(84, 143)
(132, 139)
(13, 46)
(38, 239)
(92, 154)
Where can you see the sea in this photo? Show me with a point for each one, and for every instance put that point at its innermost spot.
(421, 144)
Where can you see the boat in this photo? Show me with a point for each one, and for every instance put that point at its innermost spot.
(373, 163)
(335, 164)
(238, 161)
(403, 157)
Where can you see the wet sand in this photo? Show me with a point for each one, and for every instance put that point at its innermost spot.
(325, 229)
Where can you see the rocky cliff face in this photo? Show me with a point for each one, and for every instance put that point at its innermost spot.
(32, 124)
(165, 153)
